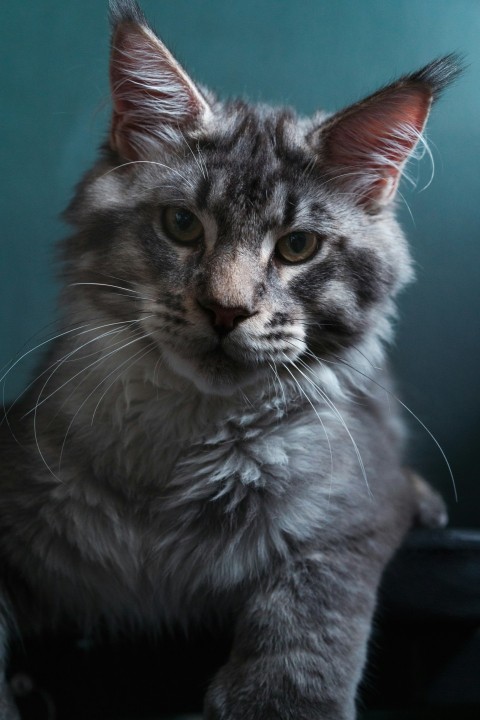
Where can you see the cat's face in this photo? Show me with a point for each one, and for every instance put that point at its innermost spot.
(241, 238)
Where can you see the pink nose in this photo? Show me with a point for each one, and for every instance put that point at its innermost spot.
(224, 319)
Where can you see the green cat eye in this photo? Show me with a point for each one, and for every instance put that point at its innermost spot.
(297, 246)
(181, 225)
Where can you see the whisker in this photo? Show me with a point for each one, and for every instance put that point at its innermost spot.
(337, 412)
(197, 162)
(155, 373)
(141, 352)
(151, 162)
(115, 287)
(146, 352)
(318, 417)
(404, 200)
(41, 401)
(389, 394)
(202, 160)
(375, 367)
(7, 410)
(421, 423)
(245, 398)
(6, 366)
(91, 370)
(272, 384)
(276, 375)
(37, 347)
(65, 358)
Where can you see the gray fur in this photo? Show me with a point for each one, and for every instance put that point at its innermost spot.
(155, 463)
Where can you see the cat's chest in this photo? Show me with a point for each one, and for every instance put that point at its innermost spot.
(174, 442)
(213, 494)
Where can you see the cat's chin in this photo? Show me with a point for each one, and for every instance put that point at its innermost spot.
(213, 372)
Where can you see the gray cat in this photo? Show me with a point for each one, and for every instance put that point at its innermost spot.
(211, 432)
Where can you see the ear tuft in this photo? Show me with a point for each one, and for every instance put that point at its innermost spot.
(154, 100)
(439, 74)
(365, 147)
(126, 11)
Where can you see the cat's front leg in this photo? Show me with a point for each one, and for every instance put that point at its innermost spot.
(300, 641)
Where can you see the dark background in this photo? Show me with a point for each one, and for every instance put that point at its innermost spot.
(310, 54)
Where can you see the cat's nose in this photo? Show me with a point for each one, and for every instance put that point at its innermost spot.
(224, 319)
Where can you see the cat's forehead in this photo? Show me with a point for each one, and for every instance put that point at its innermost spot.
(258, 165)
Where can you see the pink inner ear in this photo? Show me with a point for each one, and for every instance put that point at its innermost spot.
(370, 144)
(125, 62)
(152, 96)
(137, 68)
(122, 58)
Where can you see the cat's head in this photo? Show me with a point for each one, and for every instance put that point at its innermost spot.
(242, 237)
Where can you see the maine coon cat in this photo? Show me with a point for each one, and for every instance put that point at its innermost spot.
(210, 432)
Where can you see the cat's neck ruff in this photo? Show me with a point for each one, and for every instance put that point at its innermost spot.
(152, 386)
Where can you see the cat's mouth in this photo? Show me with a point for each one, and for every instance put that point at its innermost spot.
(218, 369)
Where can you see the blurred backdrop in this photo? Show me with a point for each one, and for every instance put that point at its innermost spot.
(310, 54)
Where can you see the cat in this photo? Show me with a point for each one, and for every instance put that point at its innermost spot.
(211, 432)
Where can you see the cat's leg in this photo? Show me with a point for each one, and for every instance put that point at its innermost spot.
(8, 710)
(301, 640)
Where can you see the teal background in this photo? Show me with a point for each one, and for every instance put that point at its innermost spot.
(310, 54)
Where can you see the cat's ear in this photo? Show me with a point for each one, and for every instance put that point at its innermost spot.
(365, 147)
(154, 100)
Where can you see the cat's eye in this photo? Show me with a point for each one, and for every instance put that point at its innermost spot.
(181, 225)
(297, 246)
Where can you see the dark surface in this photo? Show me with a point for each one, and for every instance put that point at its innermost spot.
(424, 655)
(95, 680)
(436, 577)
(425, 648)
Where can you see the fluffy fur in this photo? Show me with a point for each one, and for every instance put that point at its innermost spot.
(210, 432)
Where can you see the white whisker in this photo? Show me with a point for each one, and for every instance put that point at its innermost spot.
(35, 411)
(141, 352)
(125, 290)
(340, 417)
(392, 395)
(7, 410)
(65, 358)
(276, 375)
(93, 367)
(151, 162)
(299, 386)
(197, 161)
